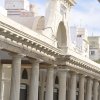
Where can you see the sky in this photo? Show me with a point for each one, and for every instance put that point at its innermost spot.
(85, 13)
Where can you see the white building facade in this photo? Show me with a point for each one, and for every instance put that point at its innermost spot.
(3, 11)
(38, 60)
(79, 39)
(94, 42)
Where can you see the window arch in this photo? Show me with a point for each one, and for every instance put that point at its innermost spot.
(24, 74)
(56, 80)
(61, 35)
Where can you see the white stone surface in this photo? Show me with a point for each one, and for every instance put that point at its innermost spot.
(42, 90)
(55, 29)
(33, 90)
(81, 87)
(0, 82)
(15, 80)
(72, 95)
(89, 89)
(94, 42)
(62, 85)
(79, 41)
(95, 90)
(17, 4)
(49, 84)
(3, 11)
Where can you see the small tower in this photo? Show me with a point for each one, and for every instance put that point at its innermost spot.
(57, 15)
(15, 6)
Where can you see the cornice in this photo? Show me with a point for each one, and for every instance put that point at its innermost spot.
(77, 65)
(11, 32)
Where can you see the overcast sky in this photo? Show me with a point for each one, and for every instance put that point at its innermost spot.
(86, 13)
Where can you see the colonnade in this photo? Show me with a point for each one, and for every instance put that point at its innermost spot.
(91, 92)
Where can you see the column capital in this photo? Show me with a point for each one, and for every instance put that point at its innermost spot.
(95, 80)
(73, 72)
(50, 68)
(32, 60)
(82, 75)
(88, 77)
(61, 72)
(16, 55)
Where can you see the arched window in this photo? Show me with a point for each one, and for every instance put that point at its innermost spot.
(61, 35)
(56, 80)
(24, 74)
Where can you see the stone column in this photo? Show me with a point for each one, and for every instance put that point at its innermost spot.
(16, 74)
(99, 92)
(49, 84)
(42, 86)
(95, 90)
(62, 85)
(34, 83)
(0, 80)
(89, 89)
(81, 87)
(72, 94)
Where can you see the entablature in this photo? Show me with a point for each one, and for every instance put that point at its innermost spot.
(16, 32)
(80, 64)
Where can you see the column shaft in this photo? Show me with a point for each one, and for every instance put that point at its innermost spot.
(0, 81)
(99, 92)
(49, 84)
(15, 81)
(89, 89)
(42, 87)
(95, 90)
(33, 91)
(72, 95)
(62, 85)
(81, 87)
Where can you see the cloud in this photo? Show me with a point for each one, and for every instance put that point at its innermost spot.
(87, 14)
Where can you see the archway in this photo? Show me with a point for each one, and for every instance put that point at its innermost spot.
(24, 85)
(24, 74)
(61, 36)
(56, 90)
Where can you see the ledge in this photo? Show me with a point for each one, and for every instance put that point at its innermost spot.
(19, 33)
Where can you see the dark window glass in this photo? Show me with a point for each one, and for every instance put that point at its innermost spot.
(56, 80)
(24, 74)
